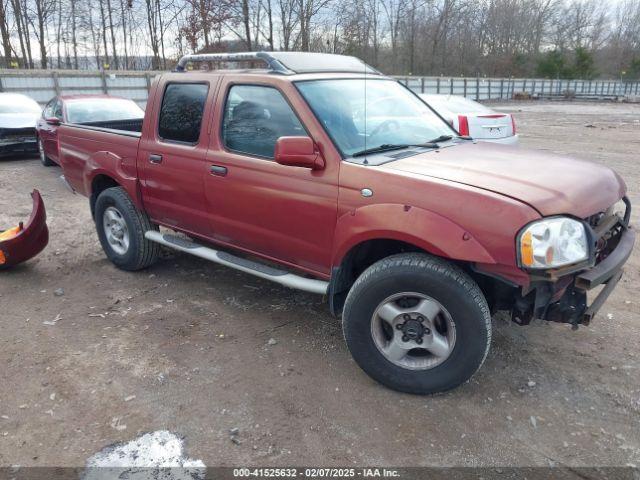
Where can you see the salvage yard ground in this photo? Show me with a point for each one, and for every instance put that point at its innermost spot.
(201, 350)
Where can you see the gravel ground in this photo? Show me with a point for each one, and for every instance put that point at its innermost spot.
(199, 350)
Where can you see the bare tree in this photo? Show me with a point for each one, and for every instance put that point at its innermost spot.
(288, 22)
(483, 37)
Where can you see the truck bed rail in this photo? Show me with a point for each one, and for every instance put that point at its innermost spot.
(127, 133)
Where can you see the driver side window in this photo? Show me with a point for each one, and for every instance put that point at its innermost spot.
(255, 117)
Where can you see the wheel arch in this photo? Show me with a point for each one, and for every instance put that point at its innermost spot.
(371, 233)
(104, 169)
(99, 183)
(357, 260)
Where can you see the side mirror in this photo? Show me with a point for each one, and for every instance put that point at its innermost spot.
(53, 121)
(298, 152)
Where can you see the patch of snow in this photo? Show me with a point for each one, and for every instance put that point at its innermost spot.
(153, 455)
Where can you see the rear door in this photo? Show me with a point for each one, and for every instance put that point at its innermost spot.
(172, 156)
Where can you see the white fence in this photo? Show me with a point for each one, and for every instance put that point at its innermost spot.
(42, 85)
(505, 88)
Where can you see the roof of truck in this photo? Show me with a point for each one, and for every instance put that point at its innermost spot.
(262, 76)
(283, 63)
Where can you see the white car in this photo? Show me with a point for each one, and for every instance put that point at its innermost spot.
(18, 117)
(472, 119)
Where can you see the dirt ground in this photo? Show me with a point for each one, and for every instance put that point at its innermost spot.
(198, 350)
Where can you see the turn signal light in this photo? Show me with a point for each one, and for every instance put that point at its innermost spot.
(526, 250)
(3, 259)
(8, 234)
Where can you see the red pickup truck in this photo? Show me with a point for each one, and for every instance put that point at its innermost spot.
(320, 173)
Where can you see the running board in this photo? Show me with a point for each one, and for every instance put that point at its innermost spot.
(244, 265)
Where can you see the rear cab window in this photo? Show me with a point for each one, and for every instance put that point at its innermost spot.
(255, 116)
(181, 112)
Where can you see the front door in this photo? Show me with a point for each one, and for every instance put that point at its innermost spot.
(279, 212)
(49, 133)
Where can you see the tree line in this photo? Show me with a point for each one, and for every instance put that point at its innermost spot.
(547, 38)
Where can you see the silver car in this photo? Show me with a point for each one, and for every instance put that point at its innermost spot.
(18, 116)
(473, 119)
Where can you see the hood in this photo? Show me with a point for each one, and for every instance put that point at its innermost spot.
(552, 184)
(18, 120)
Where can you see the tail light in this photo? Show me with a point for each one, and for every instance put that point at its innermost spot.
(513, 124)
(463, 125)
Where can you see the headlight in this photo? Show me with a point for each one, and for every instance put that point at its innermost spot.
(553, 242)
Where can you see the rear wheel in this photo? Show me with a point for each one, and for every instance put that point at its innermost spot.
(43, 156)
(417, 324)
(121, 228)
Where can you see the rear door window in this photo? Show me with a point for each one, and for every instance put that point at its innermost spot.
(181, 112)
(255, 117)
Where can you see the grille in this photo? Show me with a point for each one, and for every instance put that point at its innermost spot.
(9, 133)
(607, 228)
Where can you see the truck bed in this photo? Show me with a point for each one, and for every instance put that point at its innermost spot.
(87, 151)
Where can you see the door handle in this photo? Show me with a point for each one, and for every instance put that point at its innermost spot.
(155, 158)
(218, 170)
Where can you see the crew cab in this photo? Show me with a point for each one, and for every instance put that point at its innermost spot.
(414, 234)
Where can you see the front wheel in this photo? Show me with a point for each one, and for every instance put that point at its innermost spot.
(46, 161)
(121, 228)
(417, 324)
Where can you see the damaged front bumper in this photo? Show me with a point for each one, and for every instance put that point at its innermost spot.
(18, 141)
(19, 244)
(564, 299)
(28, 146)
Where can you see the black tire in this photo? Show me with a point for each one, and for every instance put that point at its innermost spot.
(141, 252)
(46, 161)
(439, 280)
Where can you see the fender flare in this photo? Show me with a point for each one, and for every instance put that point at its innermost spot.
(111, 165)
(422, 228)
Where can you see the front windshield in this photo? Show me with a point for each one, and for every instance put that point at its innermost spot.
(102, 110)
(363, 114)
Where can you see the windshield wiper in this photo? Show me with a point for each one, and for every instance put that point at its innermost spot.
(386, 147)
(446, 138)
(442, 138)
